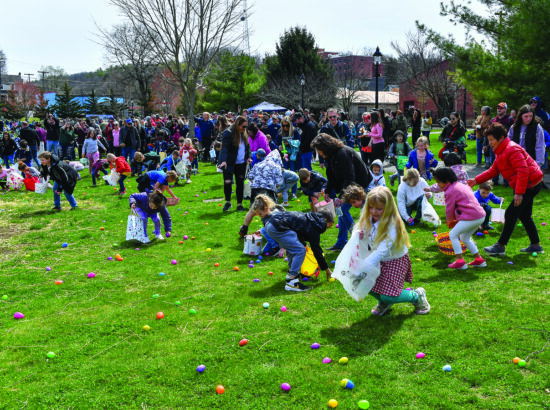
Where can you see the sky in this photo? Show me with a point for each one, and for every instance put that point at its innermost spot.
(64, 33)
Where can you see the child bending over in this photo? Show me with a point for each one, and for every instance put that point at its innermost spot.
(101, 165)
(483, 196)
(122, 168)
(149, 206)
(157, 180)
(410, 195)
(354, 195)
(312, 184)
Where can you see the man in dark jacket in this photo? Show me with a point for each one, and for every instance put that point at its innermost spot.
(539, 112)
(291, 230)
(51, 124)
(206, 126)
(33, 140)
(130, 138)
(309, 132)
(337, 129)
(64, 177)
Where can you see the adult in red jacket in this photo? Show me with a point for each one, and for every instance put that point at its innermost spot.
(525, 178)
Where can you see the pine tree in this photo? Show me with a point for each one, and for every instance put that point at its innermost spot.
(92, 105)
(12, 108)
(41, 108)
(65, 105)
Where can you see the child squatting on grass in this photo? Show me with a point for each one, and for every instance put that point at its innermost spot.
(291, 230)
(149, 206)
(410, 195)
(464, 215)
(383, 229)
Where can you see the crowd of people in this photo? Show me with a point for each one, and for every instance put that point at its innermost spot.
(273, 152)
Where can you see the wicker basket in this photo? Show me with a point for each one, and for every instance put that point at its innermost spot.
(445, 246)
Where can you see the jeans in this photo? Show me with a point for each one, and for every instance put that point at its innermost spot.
(94, 176)
(290, 179)
(427, 135)
(488, 210)
(128, 154)
(271, 244)
(57, 197)
(463, 231)
(524, 213)
(239, 170)
(345, 223)
(52, 146)
(154, 217)
(34, 154)
(121, 183)
(306, 160)
(417, 205)
(195, 163)
(8, 160)
(479, 146)
(67, 151)
(295, 251)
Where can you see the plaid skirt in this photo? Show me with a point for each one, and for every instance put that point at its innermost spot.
(393, 275)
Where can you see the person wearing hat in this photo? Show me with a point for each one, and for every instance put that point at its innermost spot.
(399, 148)
(129, 141)
(536, 105)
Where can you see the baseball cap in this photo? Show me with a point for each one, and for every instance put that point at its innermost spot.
(129, 121)
(503, 105)
(260, 153)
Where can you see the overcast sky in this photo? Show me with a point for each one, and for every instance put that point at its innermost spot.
(38, 33)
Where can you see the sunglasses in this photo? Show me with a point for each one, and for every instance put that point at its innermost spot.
(332, 116)
(286, 126)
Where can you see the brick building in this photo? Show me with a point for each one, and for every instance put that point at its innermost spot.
(361, 66)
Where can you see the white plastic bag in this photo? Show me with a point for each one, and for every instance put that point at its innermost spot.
(252, 245)
(428, 213)
(247, 192)
(112, 178)
(351, 269)
(497, 214)
(134, 228)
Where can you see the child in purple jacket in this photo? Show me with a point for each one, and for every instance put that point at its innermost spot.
(149, 206)
(101, 165)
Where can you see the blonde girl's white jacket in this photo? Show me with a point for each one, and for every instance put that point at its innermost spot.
(406, 195)
(385, 251)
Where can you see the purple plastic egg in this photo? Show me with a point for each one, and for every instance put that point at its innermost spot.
(185, 237)
(251, 266)
(315, 346)
(286, 259)
(174, 262)
(18, 315)
(110, 258)
(256, 280)
(510, 263)
(326, 360)
(283, 308)
(251, 262)
(200, 368)
(48, 269)
(267, 254)
(168, 234)
(285, 386)
(137, 249)
(91, 275)
(197, 195)
(420, 355)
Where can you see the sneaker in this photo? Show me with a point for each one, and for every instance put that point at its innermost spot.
(487, 227)
(335, 248)
(286, 204)
(227, 207)
(495, 250)
(478, 165)
(478, 263)
(294, 196)
(243, 231)
(160, 237)
(532, 248)
(458, 265)
(240, 208)
(392, 179)
(295, 285)
(422, 306)
(122, 192)
(381, 309)
(56, 209)
(75, 208)
(188, 181)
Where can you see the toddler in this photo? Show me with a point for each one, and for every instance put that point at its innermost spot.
(101, 165)
(149, 206)
(410, 195)
(483, 196)
(377, 171)
(23, 153)
(355, 196)
(422, 158)
(399, 148)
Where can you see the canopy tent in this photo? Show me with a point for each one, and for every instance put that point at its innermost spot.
(265, 106)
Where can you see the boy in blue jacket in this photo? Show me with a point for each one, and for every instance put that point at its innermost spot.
(483, 196)
(149, 206)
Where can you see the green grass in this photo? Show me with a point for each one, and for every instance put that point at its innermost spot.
(480, 319)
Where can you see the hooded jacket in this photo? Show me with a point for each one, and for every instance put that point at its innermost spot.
(259, 141)
(539, 112)
(377, 180)
(268, 173)
(62, 173)
(142, 202)
(308, 227)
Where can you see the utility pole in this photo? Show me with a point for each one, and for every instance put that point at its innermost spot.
(499, 14)
(28, 77)
(43, 75)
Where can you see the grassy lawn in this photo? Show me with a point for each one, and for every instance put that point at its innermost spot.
(480, 319)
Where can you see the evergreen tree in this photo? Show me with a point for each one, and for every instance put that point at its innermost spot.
(112, 106)
(92, 105)
(41, 108)
(65, 105)
(11, 108)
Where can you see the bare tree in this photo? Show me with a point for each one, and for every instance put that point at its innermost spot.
(427, 73)
(349, 81)
(129, 47)
(186, 35)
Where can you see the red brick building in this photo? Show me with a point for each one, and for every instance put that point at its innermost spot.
(360, 66)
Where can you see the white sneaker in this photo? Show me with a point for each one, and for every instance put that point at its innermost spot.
(159, 236)
(188, 181)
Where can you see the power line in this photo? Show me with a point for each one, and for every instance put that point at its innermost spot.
(43, 74)
(29, 77)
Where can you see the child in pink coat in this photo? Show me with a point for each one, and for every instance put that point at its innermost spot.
(464, 215)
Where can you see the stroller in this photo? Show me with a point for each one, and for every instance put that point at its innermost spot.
(453, 146)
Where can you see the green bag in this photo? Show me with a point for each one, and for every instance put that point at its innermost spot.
(401, 162)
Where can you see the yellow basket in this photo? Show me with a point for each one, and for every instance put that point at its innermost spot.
(445, 246)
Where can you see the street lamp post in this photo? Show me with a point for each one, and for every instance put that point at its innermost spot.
(131, 108)
(303, 84)
(377, 60)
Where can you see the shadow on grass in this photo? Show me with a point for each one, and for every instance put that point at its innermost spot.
(367, 335)
(38, 213)
(278, 288)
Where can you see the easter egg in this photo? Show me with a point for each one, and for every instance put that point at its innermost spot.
(193, 237)
(420, 355)
(256, 280)
(510, 263)
(516, 360)
(270, 273)
(418, 260)
(283, 309)
(64, 245)
(236, 268)
(50, 355)
(146, 328)
(180, 242)
(200, 368)
(48, 269)
(160, 315)
(59, 282)
(337, 226)
(18, 315)
(4, 297)
(447, 368)
(251, 266)
(174, 262)
(156, 295)
(162, 274)
(485, 232)
(243, 342)
(137, 249)
(168, 234)
(347, 384)
(102, 228)
(285, 386)
(332, 280)
(479, 234)
(413, 231)
(326, 360)
(192, 311)
(266, 305)
(534, 254)
(435, 235)
(206, 223)
(363, 404)
(267, 254)
(216, 264)
(333, 262)
(109, 258)
(220, 389)
(251, 262)
(177, 303)
(343, 360)
(91, 275)
(522, 363)
(286, 259)
(315, 346)
(185, 237)
(543, 224)
(118, 256)
(208, 249)
(332, 403)
(258, 261)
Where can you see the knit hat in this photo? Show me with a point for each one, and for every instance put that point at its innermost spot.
(260, 154)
